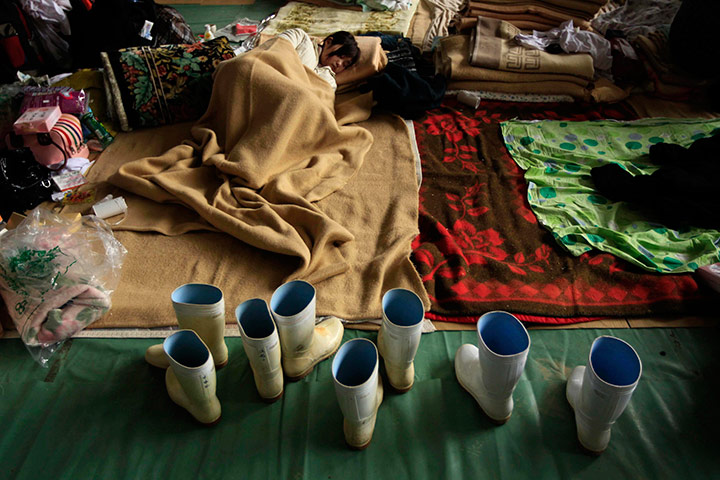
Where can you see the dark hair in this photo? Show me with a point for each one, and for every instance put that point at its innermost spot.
(349, 47)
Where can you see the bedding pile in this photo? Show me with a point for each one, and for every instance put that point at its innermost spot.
(495, 74)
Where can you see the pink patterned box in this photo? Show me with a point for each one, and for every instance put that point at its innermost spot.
(37, 120)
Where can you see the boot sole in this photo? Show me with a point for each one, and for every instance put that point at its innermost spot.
(399, 390)
(273, 399)
(492, 420)
(214, 422)
(309, 370)
(359, 447)
(218, 366)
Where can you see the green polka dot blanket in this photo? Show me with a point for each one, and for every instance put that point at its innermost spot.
(557, 158)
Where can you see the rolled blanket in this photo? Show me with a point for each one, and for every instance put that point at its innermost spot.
(58, 314)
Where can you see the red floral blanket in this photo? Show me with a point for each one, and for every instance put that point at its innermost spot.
(480, 247)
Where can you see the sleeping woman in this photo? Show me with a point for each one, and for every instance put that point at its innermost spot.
(334, 54)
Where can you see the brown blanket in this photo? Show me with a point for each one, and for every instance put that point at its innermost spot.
(268, 148)
(493, 46)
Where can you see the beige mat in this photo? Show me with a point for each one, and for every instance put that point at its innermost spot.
(378, 205)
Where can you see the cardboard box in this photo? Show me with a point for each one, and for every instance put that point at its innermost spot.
(37, 120)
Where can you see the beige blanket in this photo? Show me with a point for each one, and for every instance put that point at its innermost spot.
(265, 151)
(493, 47)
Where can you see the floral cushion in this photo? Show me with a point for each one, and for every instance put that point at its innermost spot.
(168, 84)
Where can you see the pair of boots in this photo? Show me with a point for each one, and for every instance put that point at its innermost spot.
(598, 394)
(283, 337)
(355, 368)
(193, 352)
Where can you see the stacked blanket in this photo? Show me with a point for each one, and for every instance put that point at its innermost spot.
(533, 14)
(491, 61)
(268, 148)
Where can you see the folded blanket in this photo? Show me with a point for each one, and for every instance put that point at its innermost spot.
(493, 46)
(267, 148)
(59, 314)
(535, 23)
(543, 11)
(575, 7)
(451, 59)
(542, 88)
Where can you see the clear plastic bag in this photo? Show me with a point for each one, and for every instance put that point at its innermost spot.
(57, 276)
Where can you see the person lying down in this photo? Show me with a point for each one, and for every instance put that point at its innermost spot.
(335, 53)
(268, 148)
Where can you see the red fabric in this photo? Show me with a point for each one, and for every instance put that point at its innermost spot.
(480, 247)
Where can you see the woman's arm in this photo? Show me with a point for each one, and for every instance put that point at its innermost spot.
(303, 46)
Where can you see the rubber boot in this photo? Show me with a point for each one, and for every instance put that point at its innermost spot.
(262, 347)
(190, 380)
(399, 336)
(199, 307)
(491, 371)
(600, 392)
(303, 343)
(359, 390)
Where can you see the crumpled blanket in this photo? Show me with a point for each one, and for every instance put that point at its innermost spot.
(267, 148)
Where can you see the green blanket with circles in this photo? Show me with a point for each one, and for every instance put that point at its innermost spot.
(557, 158)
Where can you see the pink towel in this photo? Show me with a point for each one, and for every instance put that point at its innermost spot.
(58, 315)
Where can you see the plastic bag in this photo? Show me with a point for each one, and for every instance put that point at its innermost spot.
(57, 276)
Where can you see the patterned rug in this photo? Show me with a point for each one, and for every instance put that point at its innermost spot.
(480, 247)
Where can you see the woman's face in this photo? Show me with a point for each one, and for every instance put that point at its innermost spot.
(337, 64)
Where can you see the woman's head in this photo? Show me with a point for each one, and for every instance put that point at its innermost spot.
(339, 51)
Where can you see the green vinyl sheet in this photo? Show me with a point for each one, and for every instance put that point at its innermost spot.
(100, 412)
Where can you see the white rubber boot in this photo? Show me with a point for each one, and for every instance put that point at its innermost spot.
(190, 380)
(399, 336)
(303, 343)
(491, 371)
(262, 347)
(359, 390)
(600, 393)
(199, 307)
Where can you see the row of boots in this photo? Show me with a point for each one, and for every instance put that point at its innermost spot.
(282, 341)
(598, 393)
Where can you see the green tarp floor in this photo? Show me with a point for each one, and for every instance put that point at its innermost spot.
(100, 412)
